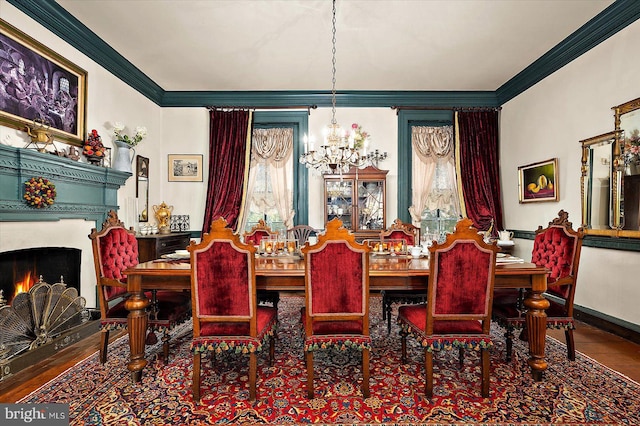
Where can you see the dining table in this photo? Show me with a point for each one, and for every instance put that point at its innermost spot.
(286, 274)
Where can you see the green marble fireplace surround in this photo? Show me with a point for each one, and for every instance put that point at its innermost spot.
(84, 191)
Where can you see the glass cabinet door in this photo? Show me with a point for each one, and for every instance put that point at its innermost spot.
(339, 201)
(371, 205)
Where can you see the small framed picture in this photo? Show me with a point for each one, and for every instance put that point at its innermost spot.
(185, 167)
(538, 181)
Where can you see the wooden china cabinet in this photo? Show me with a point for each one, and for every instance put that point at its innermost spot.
(358, 198)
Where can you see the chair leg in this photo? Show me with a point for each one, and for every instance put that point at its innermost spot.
(309, 356)
(428, 368)
(508, 335)
(272, 350)
(104, 342)
(485, 372)
(196, 378)
(384, 304)
(403, 341)
(253, 371)
(365, 373)
(165, 346)
(571, 346)
(461, 357)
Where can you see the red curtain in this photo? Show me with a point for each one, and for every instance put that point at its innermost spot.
(479, 157)
(229, 148)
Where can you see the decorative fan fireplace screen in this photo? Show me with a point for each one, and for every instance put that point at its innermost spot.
(38, 316)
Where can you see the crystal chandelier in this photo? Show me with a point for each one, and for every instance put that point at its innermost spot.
(336, 153)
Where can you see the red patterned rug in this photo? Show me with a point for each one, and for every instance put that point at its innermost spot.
(580, 392)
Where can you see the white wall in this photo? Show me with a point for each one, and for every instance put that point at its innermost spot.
(549, 120)
(546, 121)
(109, 99)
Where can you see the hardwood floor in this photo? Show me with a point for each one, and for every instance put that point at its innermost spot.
(613, 351)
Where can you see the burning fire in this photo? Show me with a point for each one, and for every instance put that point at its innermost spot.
(27, 282)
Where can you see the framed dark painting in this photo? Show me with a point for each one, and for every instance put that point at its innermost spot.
(538, 181)
(38, 84)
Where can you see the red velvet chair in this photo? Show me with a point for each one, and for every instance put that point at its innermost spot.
(336, 312)
(411, 235)
(556, 247)
(402, 231)
(253, 237)
(257, 233)
(115, 248)
(458, 309)
(226, 315)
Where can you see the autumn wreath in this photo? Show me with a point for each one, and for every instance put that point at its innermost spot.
(39, 192)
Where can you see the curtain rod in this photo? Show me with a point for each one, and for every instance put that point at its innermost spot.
(445, 108)
(234, 107)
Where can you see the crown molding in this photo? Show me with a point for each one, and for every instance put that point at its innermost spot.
(366, 99)
(607, 23)
(55, 18)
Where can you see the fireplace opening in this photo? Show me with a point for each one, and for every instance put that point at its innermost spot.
(21, 269)
(41, 309)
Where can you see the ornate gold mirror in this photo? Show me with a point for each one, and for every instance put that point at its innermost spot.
(602, 210)
(627, 122)
(142, 188)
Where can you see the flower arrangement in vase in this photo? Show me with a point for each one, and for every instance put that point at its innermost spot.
(118, 129)
(93, 148)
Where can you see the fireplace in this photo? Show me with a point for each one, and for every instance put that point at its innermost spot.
(20, 270)
(41, 310)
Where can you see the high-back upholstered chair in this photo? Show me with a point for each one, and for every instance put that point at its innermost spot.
(402, 231)
(556, 247)
(253, 237)
(301, 233)
(226, 315)
(458, 309)
(411, 235)
(336, 312)
(115, 249)
(257, 233)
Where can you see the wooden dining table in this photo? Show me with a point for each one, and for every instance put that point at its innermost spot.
(286, 274)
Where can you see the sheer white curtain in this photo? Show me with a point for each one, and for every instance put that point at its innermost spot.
(431, 145)
(273, 148)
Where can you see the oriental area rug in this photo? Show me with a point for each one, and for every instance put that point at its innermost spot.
(578, 392)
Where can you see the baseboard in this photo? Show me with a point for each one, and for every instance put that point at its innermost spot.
(596, 320)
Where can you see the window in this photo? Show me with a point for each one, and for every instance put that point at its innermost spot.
(435, 204)
(270, 183)
(261, 201)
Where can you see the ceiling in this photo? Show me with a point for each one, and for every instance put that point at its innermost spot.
(391, 45)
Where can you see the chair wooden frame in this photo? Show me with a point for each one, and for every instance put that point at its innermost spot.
(113, 315)
(204, 315)
(508, 312)
(254, 236)
(466, 334)
(399, 230)
(407, 229)
(301, 233)
(259, 231)
(353, 331)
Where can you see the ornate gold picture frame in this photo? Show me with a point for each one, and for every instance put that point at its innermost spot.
(40, 85)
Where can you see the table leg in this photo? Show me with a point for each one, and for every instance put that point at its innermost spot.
(137, 305)
(536, 319)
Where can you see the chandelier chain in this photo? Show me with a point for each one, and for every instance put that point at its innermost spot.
(333, 69)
